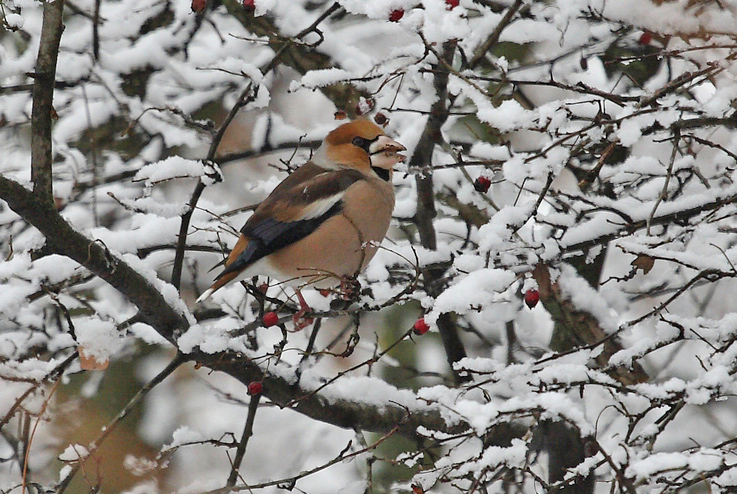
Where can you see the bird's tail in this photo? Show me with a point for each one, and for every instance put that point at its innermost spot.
(222, 280)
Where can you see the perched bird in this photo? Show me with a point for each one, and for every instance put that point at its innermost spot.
(322, 224)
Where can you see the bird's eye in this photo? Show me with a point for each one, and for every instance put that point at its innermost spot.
(359, 142)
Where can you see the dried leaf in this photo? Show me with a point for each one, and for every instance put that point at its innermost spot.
(644, 262)
(89, 362)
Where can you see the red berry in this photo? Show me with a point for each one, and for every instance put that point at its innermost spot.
(381, 119)
(340, 115)
(255, 388)
(532, 297)
(270, 319)
(420, 327)
(590, 448)
(451, 4)
(646, 38)
(482, 184)
(198, 5)
(396, 15)
(249, 4)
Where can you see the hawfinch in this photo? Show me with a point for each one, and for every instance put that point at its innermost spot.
(322, 224)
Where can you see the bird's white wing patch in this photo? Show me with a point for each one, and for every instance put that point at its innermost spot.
(321, 206)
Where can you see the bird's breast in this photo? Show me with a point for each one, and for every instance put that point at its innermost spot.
(369, 205)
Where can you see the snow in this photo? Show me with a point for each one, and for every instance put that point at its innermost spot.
(170, 294)
(31, 369)
(184, 435)
(153, 206)
(506, 117)
(489, 151)
(629, 132)
(210, 340)
(542, 107)
(170, 168)
(320, 78)
(475, 290)
(98, 338)
(64, 472)
(584, 297)
(701, 460)
(366, 390)
(14, 21)
(73, 452)
(146, 333)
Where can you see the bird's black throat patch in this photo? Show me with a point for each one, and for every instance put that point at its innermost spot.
(383, 173)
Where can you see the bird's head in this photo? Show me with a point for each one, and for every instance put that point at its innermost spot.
(362, 145)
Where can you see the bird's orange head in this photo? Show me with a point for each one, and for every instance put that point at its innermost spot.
(362, 145)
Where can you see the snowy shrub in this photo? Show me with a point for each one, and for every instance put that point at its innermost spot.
(565, 226)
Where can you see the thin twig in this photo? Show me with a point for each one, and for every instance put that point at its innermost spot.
(290, 482)
(370, 361)
(113, 424)
(29, 440)
(593, 174)
(54, 374)
(664, 193)
(247, 433)
(481, 51)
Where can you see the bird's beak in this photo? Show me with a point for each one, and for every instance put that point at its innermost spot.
(384, 152)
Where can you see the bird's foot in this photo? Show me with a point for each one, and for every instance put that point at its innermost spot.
(299, 319)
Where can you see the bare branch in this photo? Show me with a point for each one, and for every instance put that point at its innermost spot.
(43, 100)
(482, 49)
(154, 308)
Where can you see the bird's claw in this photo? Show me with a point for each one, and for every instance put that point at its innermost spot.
(299, 319)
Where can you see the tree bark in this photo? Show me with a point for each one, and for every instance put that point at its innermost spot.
(43, 100)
